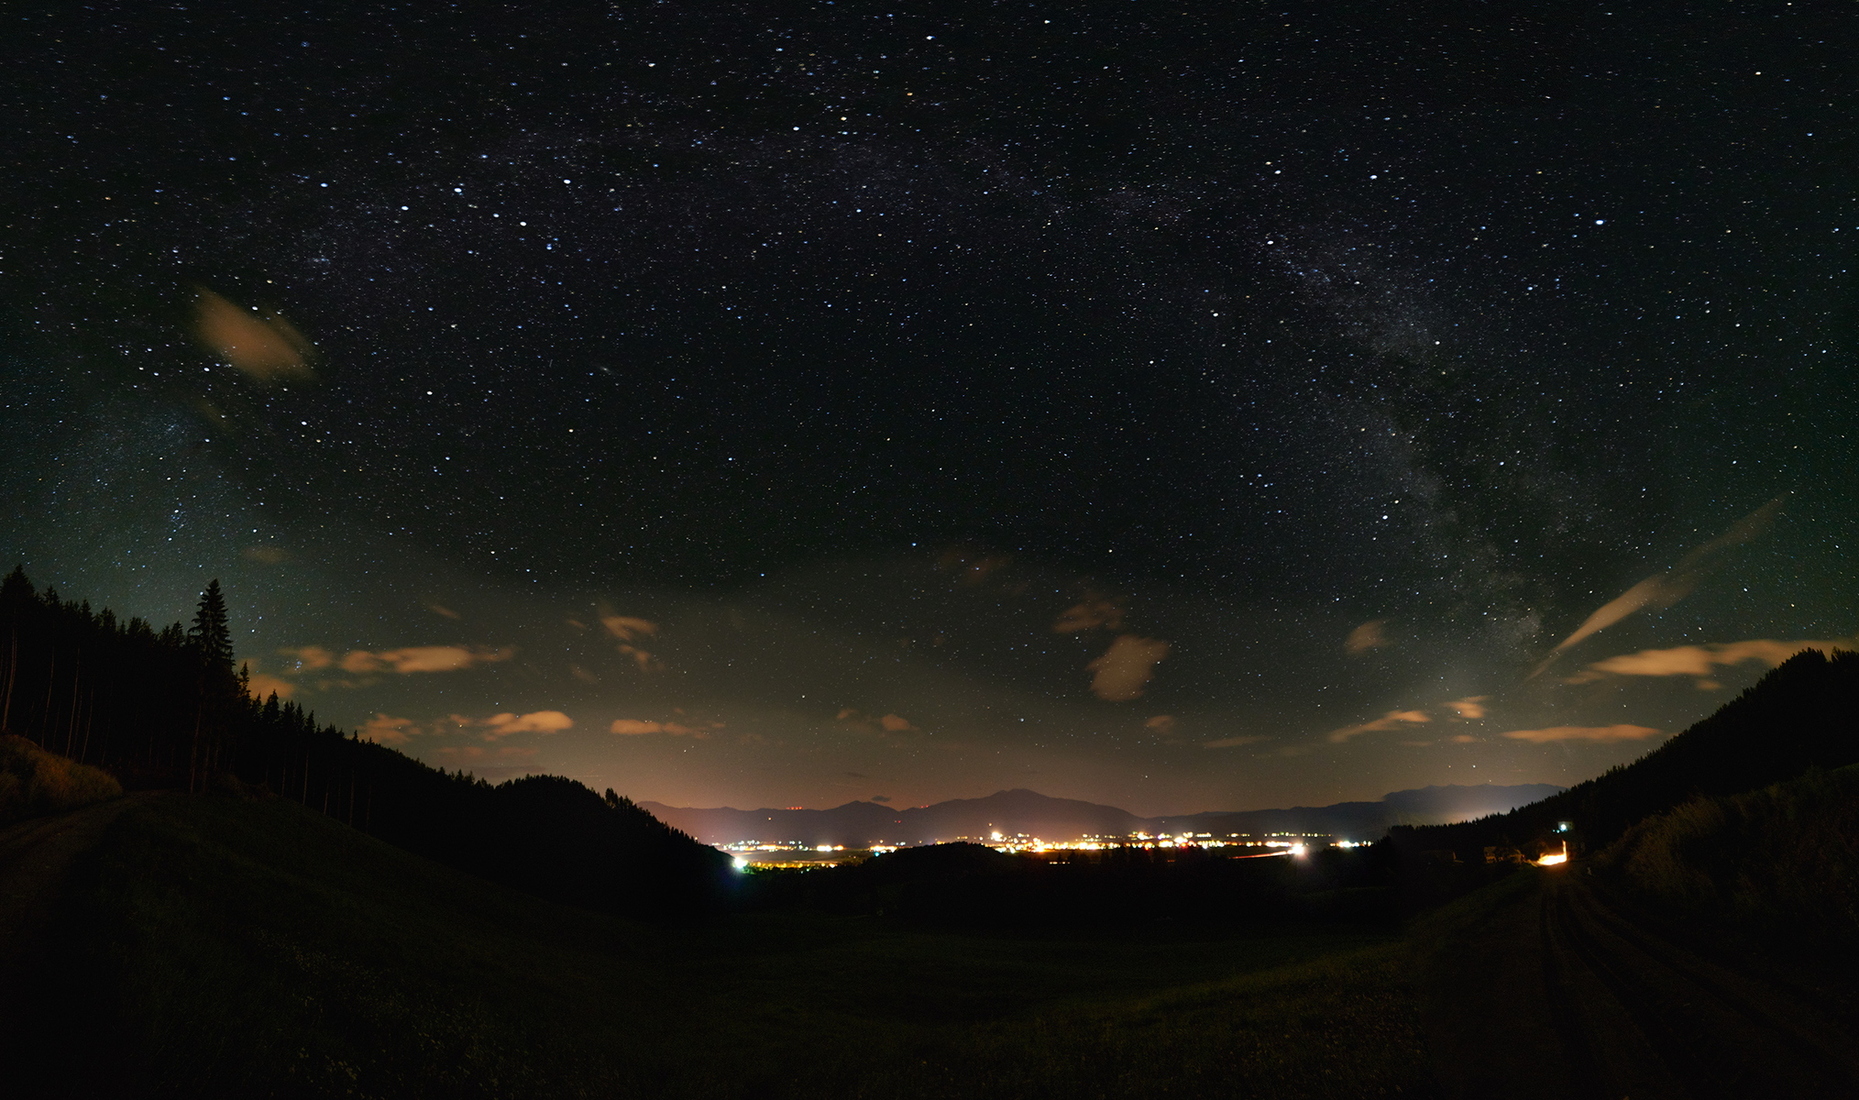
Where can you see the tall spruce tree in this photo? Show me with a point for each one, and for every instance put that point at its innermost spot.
(212, 633)
(219, 699)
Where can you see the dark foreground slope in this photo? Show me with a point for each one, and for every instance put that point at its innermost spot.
(1707, 952)
(1780, 864)
(1804, 713)
(168, 709)
(221, 947)
(1549, 986)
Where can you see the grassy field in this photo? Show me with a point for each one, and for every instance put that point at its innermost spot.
(221, 947)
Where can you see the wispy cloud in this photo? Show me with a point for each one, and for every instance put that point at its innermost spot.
(644, 659)
(1162, 723)
(1620, 732)
(1121, 673)
(499, 726)
(1234, 742)
(1092, 613)
(1471, 708)
(1393, 720)
(1667, 588)
(1701, 660)
(419, 658)
(261, 685)
(1366, 637)
(634, 727)
(309, 658)
(266, 554)
(385, 729)
(627, 628)
(890, 723)
(266, 347)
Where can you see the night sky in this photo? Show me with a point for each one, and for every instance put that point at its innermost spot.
(1182, 406)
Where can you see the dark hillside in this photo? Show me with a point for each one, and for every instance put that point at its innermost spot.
(1781, 862)
(167, 709)
(1803, 714)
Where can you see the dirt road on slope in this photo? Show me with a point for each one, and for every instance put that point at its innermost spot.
(1558, 994)
(34, 857)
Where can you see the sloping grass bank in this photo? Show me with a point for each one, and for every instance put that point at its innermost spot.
(35, 782)
(1782, 858)
(217, 947)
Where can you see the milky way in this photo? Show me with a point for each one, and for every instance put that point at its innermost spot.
(1183, 408)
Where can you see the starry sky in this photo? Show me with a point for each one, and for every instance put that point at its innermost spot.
(1182, 406)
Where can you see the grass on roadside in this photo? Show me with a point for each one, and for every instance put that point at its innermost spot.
(35, 782)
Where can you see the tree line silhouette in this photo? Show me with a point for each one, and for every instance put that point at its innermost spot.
(167, 709)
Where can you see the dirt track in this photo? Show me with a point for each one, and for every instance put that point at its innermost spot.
(1559, 994)
(34, 856)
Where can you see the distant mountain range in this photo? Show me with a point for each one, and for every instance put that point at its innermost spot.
(862, 824)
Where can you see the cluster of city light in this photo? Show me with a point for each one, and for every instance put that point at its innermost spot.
(757, 853)
(1294, 843)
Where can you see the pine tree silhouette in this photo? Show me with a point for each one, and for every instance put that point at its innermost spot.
(212, 632)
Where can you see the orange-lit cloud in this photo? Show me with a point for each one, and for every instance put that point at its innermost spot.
(1394, 719)
(1700, 660)
(420, 658)
(627, 628)
(1462, 739)
(309, 658)
(1621, 732)
(852, 718)
(1470, 708)
(635, 726)
(1119, 675)
(441, 609)
(1094, 612)
(643, 658)
(1161, 723)
(385, 729)
(1234, 742)
(540, 721)
(266, 554)
(1366, 637)
(1667, 588)
(261, 684)
(266, 347)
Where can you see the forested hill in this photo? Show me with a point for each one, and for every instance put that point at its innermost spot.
(1804, 713)
(167, 709)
